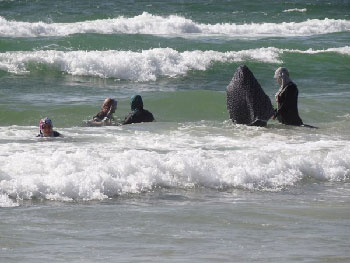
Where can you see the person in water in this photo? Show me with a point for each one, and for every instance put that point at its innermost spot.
(46, 129)
(246, 101)
(286, 99)
(138, 113)
(109, 107)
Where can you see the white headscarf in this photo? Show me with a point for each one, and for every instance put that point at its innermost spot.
(282, 75)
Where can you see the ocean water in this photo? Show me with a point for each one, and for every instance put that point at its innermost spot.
(192, 186)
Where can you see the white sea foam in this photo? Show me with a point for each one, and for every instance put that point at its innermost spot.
(5, 201)
(301, 10)
(139, 66)
(146, 65)
(135, 159)
(341, 50)
(171, 25)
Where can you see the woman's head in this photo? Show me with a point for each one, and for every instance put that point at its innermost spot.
(282, 76)
(136, 103)
(109, 105)
(46, 127)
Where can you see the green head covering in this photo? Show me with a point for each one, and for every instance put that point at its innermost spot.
(136, 103)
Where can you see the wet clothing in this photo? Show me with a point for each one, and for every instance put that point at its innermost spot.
(100, 116)
(53, 134)
(138, 114)
(56, 134)
(287, 105)
(246, 101)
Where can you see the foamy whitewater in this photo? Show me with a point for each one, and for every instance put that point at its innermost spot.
(146, 65)
(129, 160)
(191, 186)
(171, 25)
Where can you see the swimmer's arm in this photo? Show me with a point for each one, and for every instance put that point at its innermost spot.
(128, 119)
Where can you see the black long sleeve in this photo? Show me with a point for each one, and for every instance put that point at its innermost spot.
(287, 110)
(138, 116)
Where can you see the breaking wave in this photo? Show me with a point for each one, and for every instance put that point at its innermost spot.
(146, 65)
(123, 161)
(172, 25)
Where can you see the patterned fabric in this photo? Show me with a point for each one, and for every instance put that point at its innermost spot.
(247, 103)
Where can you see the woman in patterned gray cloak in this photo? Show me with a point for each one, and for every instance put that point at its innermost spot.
(247, 103)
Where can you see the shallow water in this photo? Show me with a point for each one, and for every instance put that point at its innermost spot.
(305, 224)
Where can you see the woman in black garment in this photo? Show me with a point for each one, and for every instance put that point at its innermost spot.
(138, 114)
(287, 99)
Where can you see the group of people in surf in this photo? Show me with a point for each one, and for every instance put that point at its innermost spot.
(246, 103)
(137, 115)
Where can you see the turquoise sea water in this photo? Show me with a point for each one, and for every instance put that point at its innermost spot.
(192, 186)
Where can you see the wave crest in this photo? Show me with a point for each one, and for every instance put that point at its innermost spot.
(147, 65)
(172, 25)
